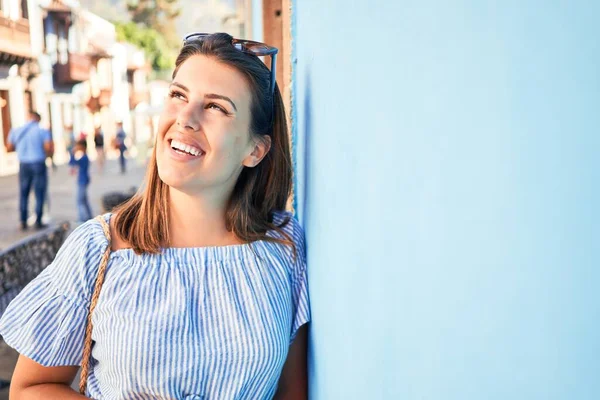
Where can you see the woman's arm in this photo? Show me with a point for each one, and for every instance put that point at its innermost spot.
(34, 381)
(293, 383)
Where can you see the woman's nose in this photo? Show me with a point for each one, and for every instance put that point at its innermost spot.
(189, 118)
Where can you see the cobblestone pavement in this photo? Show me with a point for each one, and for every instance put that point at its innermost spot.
(62, 187)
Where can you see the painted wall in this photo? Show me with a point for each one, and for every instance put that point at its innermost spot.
(448, 158)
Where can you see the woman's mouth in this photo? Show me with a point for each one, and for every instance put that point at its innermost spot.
(185, 149)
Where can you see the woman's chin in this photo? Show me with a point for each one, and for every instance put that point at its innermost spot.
(175, 179)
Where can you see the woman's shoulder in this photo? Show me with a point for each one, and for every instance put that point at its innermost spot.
(93, 233)
(93, 228)
(287, 222)
(74, 269)
(88, 237)
(117, 242)
(288, 229)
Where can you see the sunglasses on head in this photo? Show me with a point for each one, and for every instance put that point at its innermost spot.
(246, 46)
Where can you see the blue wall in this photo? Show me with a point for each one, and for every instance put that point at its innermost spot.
(448, 158)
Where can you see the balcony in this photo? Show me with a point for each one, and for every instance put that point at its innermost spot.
(15, 40)
(138, 97)
(104, 98)
(76, 70)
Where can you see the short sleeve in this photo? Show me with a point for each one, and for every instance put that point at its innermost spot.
(300, 301)
(46, 321)
(46, 135)
(299, 276)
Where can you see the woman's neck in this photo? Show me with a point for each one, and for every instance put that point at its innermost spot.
(196, 221)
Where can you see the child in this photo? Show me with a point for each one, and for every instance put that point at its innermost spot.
(80, 160)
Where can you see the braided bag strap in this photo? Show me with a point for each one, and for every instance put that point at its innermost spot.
(87, 346)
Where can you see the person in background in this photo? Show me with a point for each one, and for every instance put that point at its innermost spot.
(99, 144)
(69, 138)
(120, 145)
(33, 144)
(80, 163)
(52, 163)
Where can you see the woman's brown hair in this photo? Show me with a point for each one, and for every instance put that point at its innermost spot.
(143, 221)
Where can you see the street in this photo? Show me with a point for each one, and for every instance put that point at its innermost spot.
(62, 187)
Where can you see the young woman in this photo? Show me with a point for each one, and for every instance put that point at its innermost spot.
(204, 294)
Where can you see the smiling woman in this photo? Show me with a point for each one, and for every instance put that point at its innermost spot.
(201, 113)
(202, 288)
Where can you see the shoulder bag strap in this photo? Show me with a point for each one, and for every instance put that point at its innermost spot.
(22, 135)
(87, 346)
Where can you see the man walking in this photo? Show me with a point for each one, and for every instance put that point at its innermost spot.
(33, 145)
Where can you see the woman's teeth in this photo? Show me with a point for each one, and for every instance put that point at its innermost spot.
(186, 148)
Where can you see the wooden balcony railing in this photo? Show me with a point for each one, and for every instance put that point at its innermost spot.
(77, 69)
(15, 38)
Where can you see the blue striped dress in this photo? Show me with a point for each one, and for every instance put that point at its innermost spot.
(189, 323)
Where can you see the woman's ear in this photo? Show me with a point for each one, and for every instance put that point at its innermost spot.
(261, 148)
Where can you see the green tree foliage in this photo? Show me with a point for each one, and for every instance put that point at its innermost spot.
(153, 12)
(159, 15)
(160, 54)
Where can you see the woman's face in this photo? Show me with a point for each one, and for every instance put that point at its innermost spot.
(204, 138)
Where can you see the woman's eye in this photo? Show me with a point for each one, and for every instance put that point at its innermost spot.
(215, 106)
(176, 95)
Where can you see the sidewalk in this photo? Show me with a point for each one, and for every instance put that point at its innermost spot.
(61, 190)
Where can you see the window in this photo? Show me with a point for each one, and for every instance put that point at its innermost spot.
(28, 101)
(24, 10)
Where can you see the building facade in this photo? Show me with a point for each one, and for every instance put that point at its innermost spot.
(65, 63)
(19, 72)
